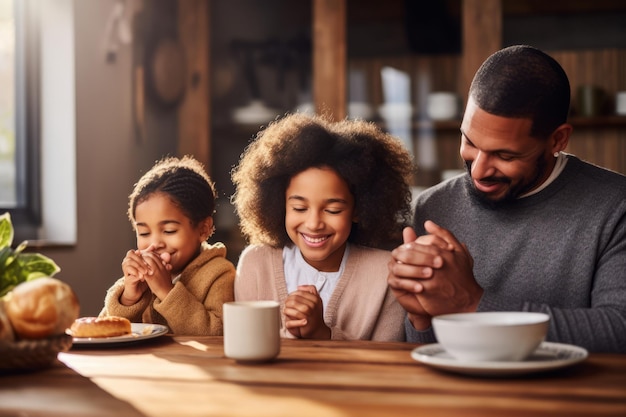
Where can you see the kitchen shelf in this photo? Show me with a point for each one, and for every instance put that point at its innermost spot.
(576, 121)
(598, 121)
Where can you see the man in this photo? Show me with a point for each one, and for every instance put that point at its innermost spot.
(528, 228)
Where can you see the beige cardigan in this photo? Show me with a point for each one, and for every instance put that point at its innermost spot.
(360, 308)
(194, 306)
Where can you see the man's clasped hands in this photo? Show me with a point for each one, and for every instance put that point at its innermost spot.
(432, 275)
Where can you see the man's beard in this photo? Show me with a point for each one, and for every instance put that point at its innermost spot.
(512, 194)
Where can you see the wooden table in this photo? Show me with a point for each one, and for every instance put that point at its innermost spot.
(189, 376)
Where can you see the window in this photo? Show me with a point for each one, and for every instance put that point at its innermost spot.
(19, 117)
(38, 120)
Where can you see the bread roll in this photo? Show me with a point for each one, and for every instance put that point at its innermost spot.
(6, 330)
(41, 308)
(100, 327)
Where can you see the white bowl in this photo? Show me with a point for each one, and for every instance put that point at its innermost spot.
(491, 336)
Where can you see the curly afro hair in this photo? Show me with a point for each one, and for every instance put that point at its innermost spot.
(376, 167)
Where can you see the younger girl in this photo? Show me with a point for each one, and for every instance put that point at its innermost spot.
(175, 277)
(315, 198)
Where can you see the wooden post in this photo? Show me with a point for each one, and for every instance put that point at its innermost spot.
(482, 36)
(194, 115)
(329, 57)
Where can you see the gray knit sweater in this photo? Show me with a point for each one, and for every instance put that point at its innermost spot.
(561, 251)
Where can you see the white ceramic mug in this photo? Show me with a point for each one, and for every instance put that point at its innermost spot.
(252, 330)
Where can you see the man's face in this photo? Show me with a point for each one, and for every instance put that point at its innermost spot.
(503, 160)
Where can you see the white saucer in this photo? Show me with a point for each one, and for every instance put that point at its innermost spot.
(548, 356)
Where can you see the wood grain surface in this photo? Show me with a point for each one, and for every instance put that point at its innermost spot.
(189, 376)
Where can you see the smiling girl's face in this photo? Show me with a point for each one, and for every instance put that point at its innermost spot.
(319, 216)
(159, 222)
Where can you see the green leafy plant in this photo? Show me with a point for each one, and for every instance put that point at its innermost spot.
(17, 267)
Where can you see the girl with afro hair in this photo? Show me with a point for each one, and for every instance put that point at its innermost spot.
(316, 201)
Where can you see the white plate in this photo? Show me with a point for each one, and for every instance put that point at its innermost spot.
(140, 331)
(548, 356)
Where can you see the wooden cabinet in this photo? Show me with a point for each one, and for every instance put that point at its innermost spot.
(484, 27)
(488, 25)
(482, 23)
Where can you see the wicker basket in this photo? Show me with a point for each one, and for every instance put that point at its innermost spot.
(33, 354)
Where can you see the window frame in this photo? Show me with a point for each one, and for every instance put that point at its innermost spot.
(26, 216)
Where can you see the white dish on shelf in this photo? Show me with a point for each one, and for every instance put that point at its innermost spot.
(548, 356)
(360, 110)
(139, 332)
(442, 105)
(396, 112)
(254, 113)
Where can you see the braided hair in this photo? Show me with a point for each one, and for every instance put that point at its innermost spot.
(184, 181)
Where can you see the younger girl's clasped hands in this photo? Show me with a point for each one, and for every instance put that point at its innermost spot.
(145, 269)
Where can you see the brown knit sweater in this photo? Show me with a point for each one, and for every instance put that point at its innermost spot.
(194, 306)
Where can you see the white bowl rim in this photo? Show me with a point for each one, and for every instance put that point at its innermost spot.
(492, 318)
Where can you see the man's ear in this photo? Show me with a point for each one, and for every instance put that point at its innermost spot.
(560, 137)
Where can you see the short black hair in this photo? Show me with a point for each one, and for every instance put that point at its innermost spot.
(375, 165)
(525, 82)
